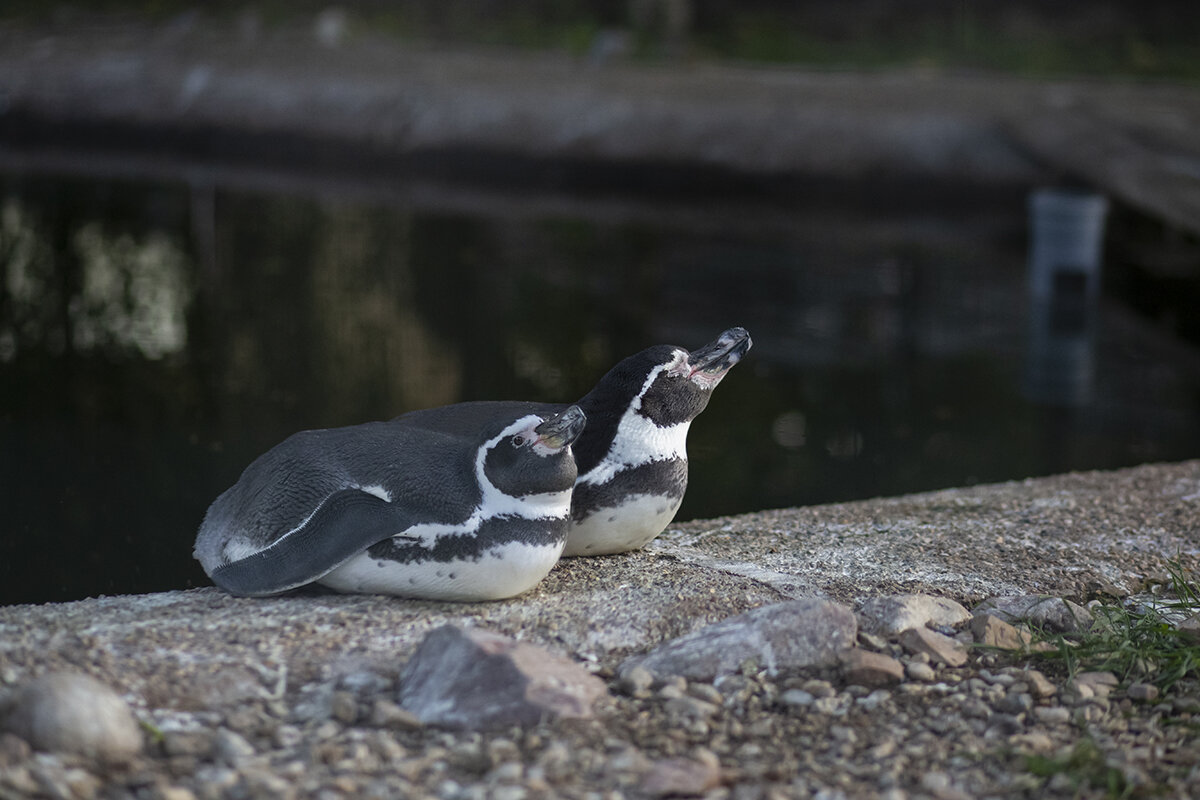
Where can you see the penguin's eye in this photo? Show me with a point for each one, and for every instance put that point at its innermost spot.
(518, 441)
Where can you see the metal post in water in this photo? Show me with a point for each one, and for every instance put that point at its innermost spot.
(1065, 255)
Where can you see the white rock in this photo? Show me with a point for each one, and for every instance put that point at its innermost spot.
(69, 712)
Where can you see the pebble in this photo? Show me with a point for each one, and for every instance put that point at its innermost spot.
(938, 647)
(636, 681)
(919, 671)
(1143, 692)
(231, 748)
(70, 712)
(871, 669)
(1052, 715)
(797, 697)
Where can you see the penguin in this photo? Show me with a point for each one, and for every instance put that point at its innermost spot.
(463, 503)
(632, 459)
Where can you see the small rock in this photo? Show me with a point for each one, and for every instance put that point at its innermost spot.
(939, 785)
(1039, 684)
(69, 712)
(1190, 627)
(13, 750)
(1050, 613)
(478, 679)
(940, 648)
(801, 633)
(1034, 741)
(1015, 703)
(1144, 692)
(187, 743)
(706, 692)
(172, 793)
(1101, 683)
(682, 776)
(897, 613)
(231, 748)
(797, 697)
(344, 708)
(871, 669)
(689, 708)
(386, 714)
(919, 671)
(874, 699)
(287, 736)
(636, 681)
(991, 631)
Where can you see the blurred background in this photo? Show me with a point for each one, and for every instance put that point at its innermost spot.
(965, 237)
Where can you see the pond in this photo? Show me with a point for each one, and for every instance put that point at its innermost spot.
(159, 328)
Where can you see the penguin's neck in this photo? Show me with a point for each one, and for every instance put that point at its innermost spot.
(635, 440)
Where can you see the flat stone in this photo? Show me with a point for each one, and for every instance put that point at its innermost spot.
(1051, 613)
(895, 614)
(871, 669)
(1101, 683)
(1039, 685)
(991, 631)
(800, 633)
(938, 647)
(69, 712)
(686, 777)
(1052, 715)
(477, 679)
(1144, 692)
(1190, 627)
(386, 714)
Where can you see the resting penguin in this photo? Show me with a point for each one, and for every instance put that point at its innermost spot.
(457, 503)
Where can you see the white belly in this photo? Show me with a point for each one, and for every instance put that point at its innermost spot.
(621, 528)
(504, 571)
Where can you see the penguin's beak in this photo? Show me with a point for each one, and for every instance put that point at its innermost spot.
(561, 429)
(709, 364)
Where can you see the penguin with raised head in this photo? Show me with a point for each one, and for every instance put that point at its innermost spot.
(632, 458)
(465, 502)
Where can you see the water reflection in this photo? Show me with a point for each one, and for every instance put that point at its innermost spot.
(156, 337)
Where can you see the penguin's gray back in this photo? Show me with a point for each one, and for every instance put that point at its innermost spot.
(283, 487)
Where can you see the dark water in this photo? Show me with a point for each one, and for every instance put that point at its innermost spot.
(158, 334)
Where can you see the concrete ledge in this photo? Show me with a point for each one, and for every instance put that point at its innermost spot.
(1075, 535)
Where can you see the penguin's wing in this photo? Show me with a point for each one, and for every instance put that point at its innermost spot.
(346, 523)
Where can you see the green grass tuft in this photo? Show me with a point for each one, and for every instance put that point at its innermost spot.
(1136, 641)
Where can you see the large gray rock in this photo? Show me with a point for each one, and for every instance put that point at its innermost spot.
(69, 712)
(1051, 613)
(801, 633)
(476, 679)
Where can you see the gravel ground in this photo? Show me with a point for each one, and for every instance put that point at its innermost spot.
(295, 696)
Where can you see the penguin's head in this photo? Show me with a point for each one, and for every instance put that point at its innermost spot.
(533, 455)
(669, 385)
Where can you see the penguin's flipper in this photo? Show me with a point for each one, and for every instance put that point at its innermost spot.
(345, 524)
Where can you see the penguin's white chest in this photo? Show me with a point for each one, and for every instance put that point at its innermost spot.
(627, 526)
